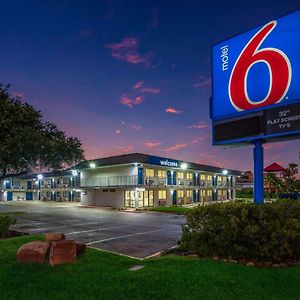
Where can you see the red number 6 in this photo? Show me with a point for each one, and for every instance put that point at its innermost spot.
(279, 68)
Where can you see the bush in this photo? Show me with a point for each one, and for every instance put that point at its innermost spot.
(5, 222)
(244, 231)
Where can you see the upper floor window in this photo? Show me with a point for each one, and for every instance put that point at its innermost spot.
(162, 174)
(189, 176)
(202, 176)
(149, 172)
(209, 177)
(180, 175)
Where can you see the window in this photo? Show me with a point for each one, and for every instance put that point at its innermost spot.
(112, 190)
(189, 176)
(149, 172)
(202, 176)
(189, 193)
(209, 177)
(180, 193)
(180, 175)
(209, 193)
(129, 199)
(161, 174)
(162, 194)
(105, 190)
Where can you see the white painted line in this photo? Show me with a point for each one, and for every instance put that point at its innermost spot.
(123, 236)
(64, 226)
(116, 253)
(99, 229)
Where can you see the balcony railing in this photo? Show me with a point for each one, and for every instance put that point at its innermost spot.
(133, 180)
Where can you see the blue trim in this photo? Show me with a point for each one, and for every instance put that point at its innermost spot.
(258, 156)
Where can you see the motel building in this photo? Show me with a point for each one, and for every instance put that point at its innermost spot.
(126, 181)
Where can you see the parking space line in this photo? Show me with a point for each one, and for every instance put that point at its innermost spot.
(65, 226)
(99, 229)
(123, 236)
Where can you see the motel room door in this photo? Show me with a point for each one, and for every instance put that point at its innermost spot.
(174, 197)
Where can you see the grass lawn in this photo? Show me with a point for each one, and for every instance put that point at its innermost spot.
(171, 209)
(8, 213)
(102, 275)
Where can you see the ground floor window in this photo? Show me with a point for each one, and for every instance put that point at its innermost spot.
(180, 193)
(162, 194)
(129, 199)
(145, 198)
(189, 193)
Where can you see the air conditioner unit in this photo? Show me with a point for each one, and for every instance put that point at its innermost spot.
(181, 182)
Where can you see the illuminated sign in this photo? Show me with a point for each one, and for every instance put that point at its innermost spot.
(258, 69)
(163, 162)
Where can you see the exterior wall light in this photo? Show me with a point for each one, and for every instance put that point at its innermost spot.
(40, 177)
(225, 172)
(183, 166)
(74, 172)
(92, 165)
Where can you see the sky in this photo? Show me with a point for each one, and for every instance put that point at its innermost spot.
(130, 76)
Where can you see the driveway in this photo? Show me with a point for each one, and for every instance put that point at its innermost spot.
(136, 234)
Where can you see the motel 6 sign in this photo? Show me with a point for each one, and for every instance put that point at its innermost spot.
(256, 79)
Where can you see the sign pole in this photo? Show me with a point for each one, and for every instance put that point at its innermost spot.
(258, 157)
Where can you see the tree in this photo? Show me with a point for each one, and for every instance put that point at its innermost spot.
(273, 183)
(27, 142)
(292, 184)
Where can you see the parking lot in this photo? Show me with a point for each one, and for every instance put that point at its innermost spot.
(136, 234)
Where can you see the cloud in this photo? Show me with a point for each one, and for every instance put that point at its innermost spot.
(176, 147)
(118, 131)
(151, 144)
(130, 102)
(150, 90)
(138, 85)
(172, 110)
(198, 126)
(136, 127)
(203, 83)
(127, 50)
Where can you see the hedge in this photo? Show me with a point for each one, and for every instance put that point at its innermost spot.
(244, 231)
(5, 222)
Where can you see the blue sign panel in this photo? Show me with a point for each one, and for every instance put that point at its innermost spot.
(257, 70)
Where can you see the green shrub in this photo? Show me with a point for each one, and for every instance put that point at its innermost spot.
(269, 232)
(5, 222)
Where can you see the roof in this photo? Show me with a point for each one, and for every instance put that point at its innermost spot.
(25, 175)
(274, 167)
(150, 159)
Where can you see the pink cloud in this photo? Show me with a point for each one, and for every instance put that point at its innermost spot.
(176, 147)
(118, 131)
(151, 144)
(206, 82)
(198, 126)
(138, 85)
(172, 110)
(130, 102)
(135, 127)
(150, 90)
(127, 50)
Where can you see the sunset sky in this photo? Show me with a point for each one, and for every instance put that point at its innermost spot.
(130, 76)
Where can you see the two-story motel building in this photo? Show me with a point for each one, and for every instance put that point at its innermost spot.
(126, 181)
